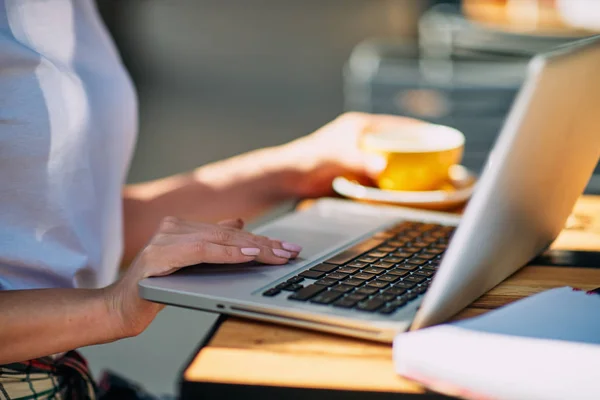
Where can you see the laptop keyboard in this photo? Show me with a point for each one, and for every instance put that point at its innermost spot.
(380, 274)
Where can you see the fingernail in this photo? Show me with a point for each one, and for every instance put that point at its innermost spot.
(291, 246)
(282, 253)
(250, 251)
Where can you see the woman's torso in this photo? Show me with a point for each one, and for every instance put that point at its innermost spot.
(67, 130)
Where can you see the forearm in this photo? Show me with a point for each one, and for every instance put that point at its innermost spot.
(36, 323)
(243, 186)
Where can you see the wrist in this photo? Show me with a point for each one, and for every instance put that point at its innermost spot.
(112, 313)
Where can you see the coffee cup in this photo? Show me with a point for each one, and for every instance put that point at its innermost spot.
(417, 158)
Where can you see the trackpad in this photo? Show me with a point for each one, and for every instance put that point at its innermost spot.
(313, 242)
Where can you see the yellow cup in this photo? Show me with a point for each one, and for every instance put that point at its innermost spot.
(417, 157)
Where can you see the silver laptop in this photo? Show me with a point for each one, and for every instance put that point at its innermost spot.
(372, 271)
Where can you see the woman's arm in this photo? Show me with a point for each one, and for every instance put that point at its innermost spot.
(36, 323)
(250, 184)
(244, 186)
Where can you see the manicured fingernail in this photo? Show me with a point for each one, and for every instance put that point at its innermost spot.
(250, 251)
(282, 253)
(291, 246)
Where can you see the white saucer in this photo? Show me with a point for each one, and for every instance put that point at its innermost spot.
(461, 188)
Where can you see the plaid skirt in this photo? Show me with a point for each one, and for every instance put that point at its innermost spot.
(66, 377)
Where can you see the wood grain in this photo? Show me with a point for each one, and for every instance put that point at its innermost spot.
(254, 353)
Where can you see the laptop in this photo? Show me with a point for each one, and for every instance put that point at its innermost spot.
(371, 271)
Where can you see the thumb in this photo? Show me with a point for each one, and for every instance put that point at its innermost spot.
(371, 164)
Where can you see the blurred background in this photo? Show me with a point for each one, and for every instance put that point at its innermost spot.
(217, 78)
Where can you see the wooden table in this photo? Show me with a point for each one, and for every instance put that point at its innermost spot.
(246, 359)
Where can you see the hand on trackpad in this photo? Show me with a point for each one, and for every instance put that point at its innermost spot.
(312, 241)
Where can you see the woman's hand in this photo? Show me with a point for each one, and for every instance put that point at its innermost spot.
(334, 150)
(178, 244)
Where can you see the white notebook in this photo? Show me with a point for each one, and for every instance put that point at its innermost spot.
(546, 346)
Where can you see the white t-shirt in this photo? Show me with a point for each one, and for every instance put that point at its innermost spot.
(68, 120)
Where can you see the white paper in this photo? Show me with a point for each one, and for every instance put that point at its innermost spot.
(543, 347)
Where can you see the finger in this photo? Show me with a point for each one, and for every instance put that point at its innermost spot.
(270, 247)
(293, 248)
(269, 251)
(236, 223)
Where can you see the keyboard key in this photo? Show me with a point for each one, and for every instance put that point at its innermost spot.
(438, 234)
(347, 270)
(398, 272)
(395, 291)
(368, 260)
(412, 234)
(324, 267)
(415, 261)
(356, 296)
(342, 288)
(402, 254)
(354, 282)
(337, 276)
(294, 287)
(384, 265)
(281, 286)
(373, 270)
(405, 225)
(426, 227)
(439, 246)
(411, 249)
(307, 292)
(428, 239)
(414, 279)
(384, 235)
(271, 292)
(355, 251)
(425, 274)
(421, 244)
(411, 295)
(326, 282)
(379, 284)
(363, 276)
(407, 267)
(388, 310)
(426, 256)
(388, 278)
(420, 289)
(433, 252)
(397, 243)
(405, 285)
(387, 249)
(295, 279)
(393, 259)
(420, 259)
(385, 297)
(326, 297)
(398, 302)
(370, 305)
(367, 290)
(377, 254)
(312, 274)
(345, 302)
(357, 264)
